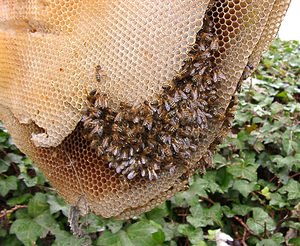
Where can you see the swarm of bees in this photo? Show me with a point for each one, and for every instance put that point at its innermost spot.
(145, 138)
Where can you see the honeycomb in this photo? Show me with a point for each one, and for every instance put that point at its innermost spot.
(61, 42)
(54, 53)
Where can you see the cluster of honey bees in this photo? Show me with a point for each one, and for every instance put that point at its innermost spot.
(145, 138)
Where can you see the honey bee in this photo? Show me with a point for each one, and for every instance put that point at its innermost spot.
(117, 128)
(101, 101)
(175, 146)
(115, 150)
(212, 99)
(152, 174)
(247, 71)
(202, 69)
(87, 122)
(94, 144)
(119, 116)
(143, 160)
(148, 122)
(172, 170)
(207, 157)
(172, 114)
(214, 45)
(131, 175)
(166, 87)
(91, 96)
(194, 48)
(153, 106)
(183, 95)
(202, 46)
(167, 105)
(187, 88)
(177, 97)
(206, 36)
(98, 129)
(105, 142)
(203, 55)
(195, 94)
(227, 123)
(100, 151)
(173, 128)
(143, 172)
(132, 161)
(99, 73)
(218, 75)
(193, 147)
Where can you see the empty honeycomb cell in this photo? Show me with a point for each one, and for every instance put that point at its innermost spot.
(48, 57)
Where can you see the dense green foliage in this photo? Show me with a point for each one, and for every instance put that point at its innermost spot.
(253, 194)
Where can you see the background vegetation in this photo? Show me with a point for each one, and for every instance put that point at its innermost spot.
(252, 195)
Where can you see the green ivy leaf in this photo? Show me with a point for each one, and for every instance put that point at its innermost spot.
(95, 223)
(260, 221)
(30, 182)
(215, 213)
(146, 233)
(57, 204)
(276, 108)
(11, 240)
(109, 238)
(22, 199)
(114, 225)
(242, 171)
(195, 235)
(158, 214)
(3, 232)
(201, 217)
(13, 158)
(170, 231)
(197, 188)
(244, 187)
(63, 238)
(292, 188)
(266, 193)
(277, 200)
(241, 209)
(27, 231)
(212, 186)
(118, 239)
(289, 146)
(224, 178)
(8, 184)
(198, 217)
(140, 233)
(276, 239)
(3, 166)
(38, 204)
(4, 136)
(47, 222)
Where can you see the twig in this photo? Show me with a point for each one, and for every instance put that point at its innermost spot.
(280, 222)
(242, 223)
(294, 175)
(5, 212)
(207, 199)
(258, 198)
(244, 237)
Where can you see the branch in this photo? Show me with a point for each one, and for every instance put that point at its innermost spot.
(242, 223)
(5, 212)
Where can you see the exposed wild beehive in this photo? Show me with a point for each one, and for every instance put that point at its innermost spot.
(119, 102)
